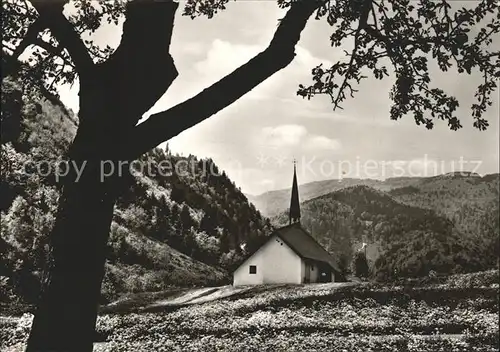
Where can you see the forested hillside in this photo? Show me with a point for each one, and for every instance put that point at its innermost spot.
(469, 201)
(403, 240)
(445, 193)
(181, 228)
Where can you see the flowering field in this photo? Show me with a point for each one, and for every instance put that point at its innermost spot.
(459, 314)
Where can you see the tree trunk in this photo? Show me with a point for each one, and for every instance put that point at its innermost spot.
(66, 314)
(113, 97)
(67, 310)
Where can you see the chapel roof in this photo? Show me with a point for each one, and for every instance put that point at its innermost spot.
(302, 243)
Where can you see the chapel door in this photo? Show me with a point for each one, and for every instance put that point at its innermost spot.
(325, 273)
(307, 278)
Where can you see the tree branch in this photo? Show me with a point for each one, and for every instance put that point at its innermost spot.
(280, 52)
(363, 20)
(52, 17)
(56, 51)
(141, 69)
(30, 37)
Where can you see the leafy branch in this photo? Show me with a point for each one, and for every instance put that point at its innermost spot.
(409, 35)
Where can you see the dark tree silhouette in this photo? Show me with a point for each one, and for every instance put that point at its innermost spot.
(118, 87)
(360, 263)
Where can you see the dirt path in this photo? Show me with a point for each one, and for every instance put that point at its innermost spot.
(201, 295)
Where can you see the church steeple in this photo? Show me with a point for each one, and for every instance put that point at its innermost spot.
(294, 203)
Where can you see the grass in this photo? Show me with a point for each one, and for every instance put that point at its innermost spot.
(460, 313)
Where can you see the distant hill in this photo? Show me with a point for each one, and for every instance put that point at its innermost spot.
(402, 239)
(273, 202)
(465, 200)
(167, 230)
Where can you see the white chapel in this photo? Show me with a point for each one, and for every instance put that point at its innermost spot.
(289, 256)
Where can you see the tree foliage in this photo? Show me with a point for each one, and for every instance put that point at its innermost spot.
(395, 38)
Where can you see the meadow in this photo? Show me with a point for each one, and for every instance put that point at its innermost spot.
(455, 313)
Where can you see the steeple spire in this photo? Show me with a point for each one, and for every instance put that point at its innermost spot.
(294, 203)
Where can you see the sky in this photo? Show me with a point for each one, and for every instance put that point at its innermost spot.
(255, 139)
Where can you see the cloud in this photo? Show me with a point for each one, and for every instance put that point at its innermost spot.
(282, 136)
(322, 143)
(200, 65)
(306, 59)
(224, 57)
(295, 138)
(193, 48)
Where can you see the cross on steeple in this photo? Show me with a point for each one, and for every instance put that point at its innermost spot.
(294, 202)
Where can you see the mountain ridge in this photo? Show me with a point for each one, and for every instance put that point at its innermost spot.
(401, 238)
(272, 202)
